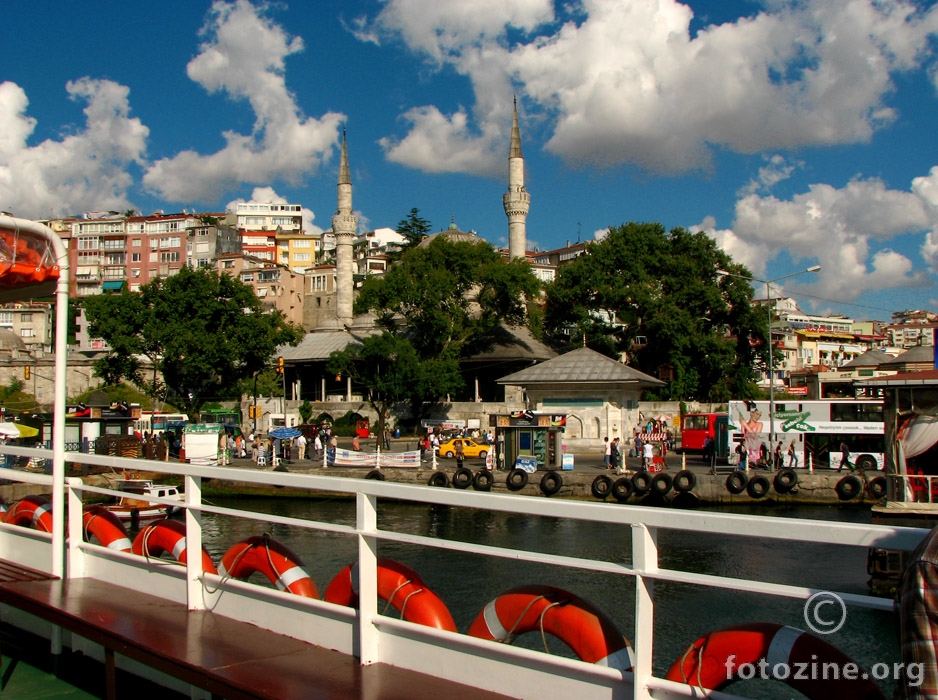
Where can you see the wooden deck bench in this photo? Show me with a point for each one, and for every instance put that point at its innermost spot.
(231, 659)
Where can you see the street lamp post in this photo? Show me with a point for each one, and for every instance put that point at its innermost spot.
(768, 306)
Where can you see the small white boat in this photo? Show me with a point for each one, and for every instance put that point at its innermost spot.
(135, 506)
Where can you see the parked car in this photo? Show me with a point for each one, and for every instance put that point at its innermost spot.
(470, 448)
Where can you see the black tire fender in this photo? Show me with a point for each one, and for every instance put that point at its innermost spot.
(684, 481)
(785, 480)
(848, 488)
(622, 489)
(736, 482)
(482, 481)
(661, 484)
(758, 486)
(375, 474)
(462, 478)
(877, 487)
(438, 479)
(551, 482)
(516, 480)
(601, 487)
(641, 482)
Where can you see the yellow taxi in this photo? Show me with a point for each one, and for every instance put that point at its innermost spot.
(470, 448)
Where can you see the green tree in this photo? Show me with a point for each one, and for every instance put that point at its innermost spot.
(413, 228)
(203, 331)
(386, 365)
(15, 401)
(656, 297)
(447, 300)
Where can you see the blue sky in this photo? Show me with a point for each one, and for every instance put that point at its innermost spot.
(795, 133)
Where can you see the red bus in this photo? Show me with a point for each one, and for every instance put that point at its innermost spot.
(697, 427)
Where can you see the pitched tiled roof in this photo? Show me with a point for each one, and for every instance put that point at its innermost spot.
(318, 346)
(513, 343)
(581, 366)
(871, 358)
(918, 354)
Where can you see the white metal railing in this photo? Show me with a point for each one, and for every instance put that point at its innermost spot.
(381, 638)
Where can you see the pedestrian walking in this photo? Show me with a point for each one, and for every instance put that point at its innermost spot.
(648, 456)
(792, 456)
(845, 456)
(607, 452)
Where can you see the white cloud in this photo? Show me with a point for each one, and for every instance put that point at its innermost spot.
(267, 195)
(624, 81)
(243, 56)
(776, 169)
(845, 230)
(437, 143)
(86, 170)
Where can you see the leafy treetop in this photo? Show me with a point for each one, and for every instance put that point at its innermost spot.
(203, 331)
(656, 296)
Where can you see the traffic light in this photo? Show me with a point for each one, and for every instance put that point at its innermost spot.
(279, 365)
(26, 372)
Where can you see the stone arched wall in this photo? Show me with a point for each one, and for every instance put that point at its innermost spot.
(574, 427)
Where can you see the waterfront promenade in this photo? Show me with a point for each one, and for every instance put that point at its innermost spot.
(813, 486)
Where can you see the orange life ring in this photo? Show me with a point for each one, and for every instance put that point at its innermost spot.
(31, 511)
(401, 587)
(712, 661)
(591, 635)
(277, 562)
(168, 536)
(99, 522)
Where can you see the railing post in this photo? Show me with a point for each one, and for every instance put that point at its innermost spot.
(194, 573)
(75, 561)
(645, 560)
(367, 524)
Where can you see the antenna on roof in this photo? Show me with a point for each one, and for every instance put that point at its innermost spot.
(577, 231)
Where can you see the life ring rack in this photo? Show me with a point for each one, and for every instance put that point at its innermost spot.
(31, 511)
(99, 522)
(401, 587)
(714, 660)
(592, 636)
(167, 536)
(277, 562)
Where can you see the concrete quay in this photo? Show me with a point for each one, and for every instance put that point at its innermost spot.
(819, 487)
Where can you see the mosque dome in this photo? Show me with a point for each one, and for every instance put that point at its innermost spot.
(10, 341)
(451, 233)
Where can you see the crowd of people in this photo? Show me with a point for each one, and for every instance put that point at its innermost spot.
(270, 450)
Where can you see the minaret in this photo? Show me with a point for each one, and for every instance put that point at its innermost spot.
(344, 226)
(516, 201)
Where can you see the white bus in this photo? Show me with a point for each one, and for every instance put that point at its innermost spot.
(817, 428)
(158, 422)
